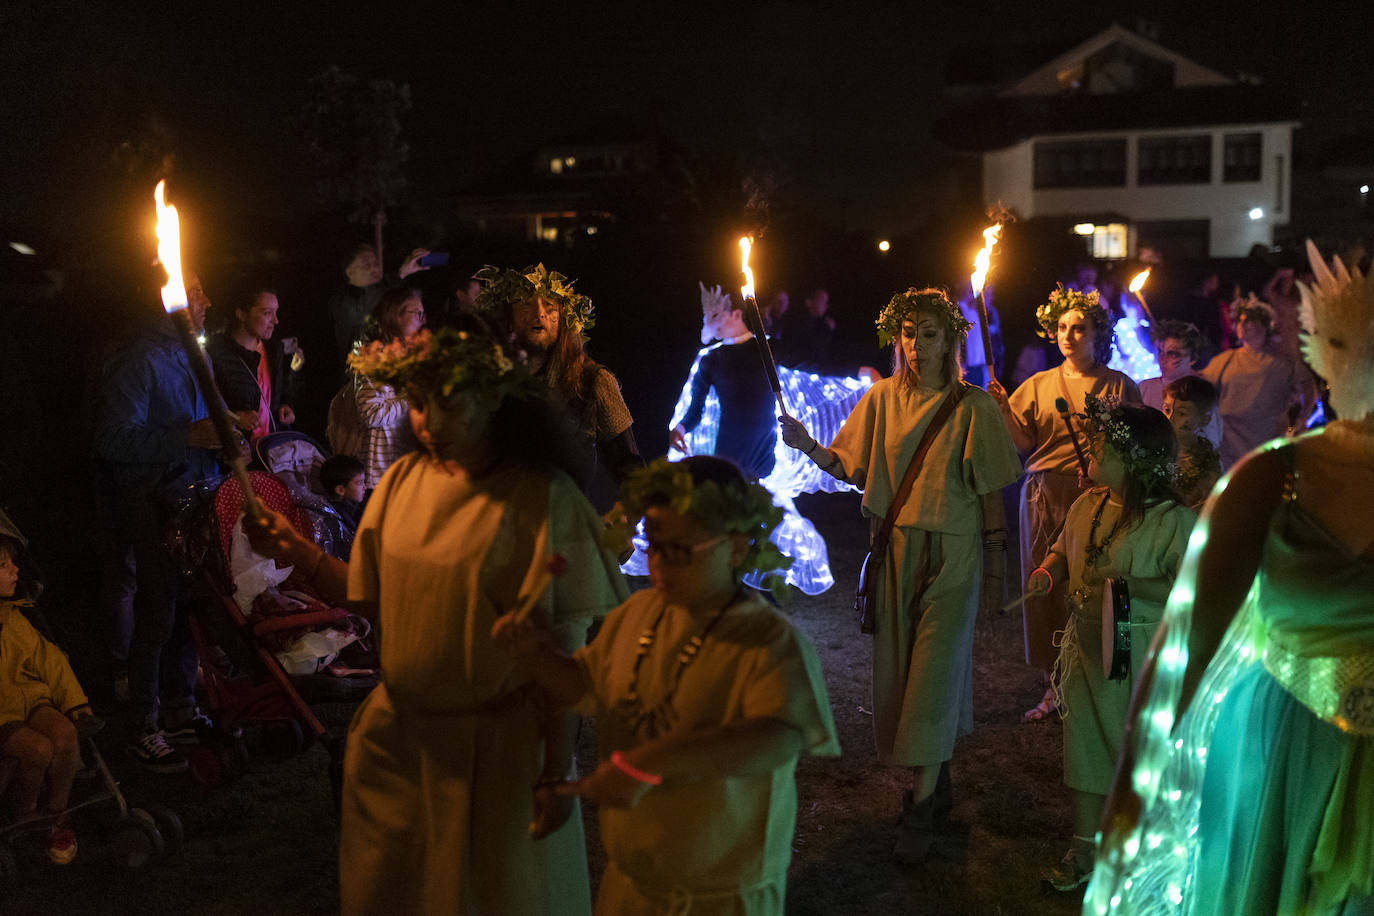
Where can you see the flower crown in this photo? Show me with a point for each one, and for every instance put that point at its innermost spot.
(1068, 300)
(903, 305)
(736, 507)
(1150, 468)
(503, 288)
(443, 363)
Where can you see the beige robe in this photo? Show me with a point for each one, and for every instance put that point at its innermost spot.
(441, 757)
(1254, 390)
(1095, 708)
(927, 590)
(1052, 483)
(717, 846)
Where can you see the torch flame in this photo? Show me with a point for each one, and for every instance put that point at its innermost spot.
(747, 290)
(980, 263)
(1138, 281)
(169, 252)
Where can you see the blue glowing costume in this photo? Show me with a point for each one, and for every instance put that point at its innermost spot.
(822, 403)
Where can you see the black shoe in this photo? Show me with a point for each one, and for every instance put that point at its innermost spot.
(150, 748)
(916, 830)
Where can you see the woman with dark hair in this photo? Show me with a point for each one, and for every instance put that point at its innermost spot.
(452, 761)
(1256, 387)
(1083, 331)
(1131, 529)
(383, 411)
(252, 369)
(931, 570)
(549, 321)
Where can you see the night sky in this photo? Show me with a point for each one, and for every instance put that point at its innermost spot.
(845, 91)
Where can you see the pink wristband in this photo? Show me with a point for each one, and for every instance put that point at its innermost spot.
(620, 763)
(1047, 575)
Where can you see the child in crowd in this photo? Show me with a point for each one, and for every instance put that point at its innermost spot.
(40, 700)
(705, 697)
(1190, 403)
(1131, 528)
(345, 486)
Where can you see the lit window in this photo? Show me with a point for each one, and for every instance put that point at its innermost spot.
(549, 233)
(556, 166)
(1109, 241)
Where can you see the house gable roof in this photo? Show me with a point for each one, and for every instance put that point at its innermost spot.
(1046, 79)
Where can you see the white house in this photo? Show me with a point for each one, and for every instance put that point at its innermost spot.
(1133, 144)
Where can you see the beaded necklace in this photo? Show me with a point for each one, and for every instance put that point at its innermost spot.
(1094, 551)
(630, 708)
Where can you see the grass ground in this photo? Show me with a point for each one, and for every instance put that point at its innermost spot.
(267, 844)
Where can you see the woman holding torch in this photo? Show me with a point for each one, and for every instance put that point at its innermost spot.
(1038, 417)
(452, 761)
(928, 581)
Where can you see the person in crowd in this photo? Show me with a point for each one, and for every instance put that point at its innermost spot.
(1281, 293)
(1202, 308)
(345, 486)
(807, 333)
(697, 791)
(930, 572)
(549, 321)
(1083, 331)
(746, 433)
(1127, 532)
(382, 411)
(1190, 403)
(40, 702)
(438, 810)
(1178, 344)
(154, 438)
(351, 305)
(1257, 387)
(975, 361)
(1245, 784)
(774, 314)
(254, 371)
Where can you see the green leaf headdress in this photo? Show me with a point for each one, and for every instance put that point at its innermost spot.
(1064, 300)
(503, 288)
(442, 364)
(903, 306)
(736, 507)
(1151, 469)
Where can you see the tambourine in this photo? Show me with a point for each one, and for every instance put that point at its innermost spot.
(1116, 629)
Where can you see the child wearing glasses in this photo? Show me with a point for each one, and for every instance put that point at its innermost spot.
(705, 697)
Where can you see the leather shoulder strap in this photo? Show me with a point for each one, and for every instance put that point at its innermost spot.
(918, 459)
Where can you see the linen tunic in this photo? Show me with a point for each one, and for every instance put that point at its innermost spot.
(1052, 483)
(1095, 708)
(442, 755)
(720, 845)
(1254, 389)
(927, 591)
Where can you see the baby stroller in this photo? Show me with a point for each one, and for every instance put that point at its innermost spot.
(295, 459)
(134, 837)
(241, 647)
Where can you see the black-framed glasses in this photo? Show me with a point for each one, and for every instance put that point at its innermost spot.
(679, 554)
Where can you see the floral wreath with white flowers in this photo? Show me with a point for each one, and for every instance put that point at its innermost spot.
(737, 508)
(1064, 300)
(1151, 469)
(903, 305)
(444, 363)
(503, 288)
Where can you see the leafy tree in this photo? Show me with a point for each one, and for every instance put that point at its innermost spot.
(353, 134)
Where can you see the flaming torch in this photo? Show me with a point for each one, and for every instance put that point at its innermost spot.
(1137, 284)
(765, 351)
(980, 274)
(175, 302)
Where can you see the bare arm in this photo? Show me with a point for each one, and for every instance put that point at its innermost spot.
(273, 536)
(794, 435)
(1023, 441)
(543, 659)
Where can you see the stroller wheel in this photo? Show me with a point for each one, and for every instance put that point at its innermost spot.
(136, 841)
(283, 739)
(169, 825)
(206, 768)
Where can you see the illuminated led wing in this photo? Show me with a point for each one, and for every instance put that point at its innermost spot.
(822, 403)
(1130, 354)
(702, 440)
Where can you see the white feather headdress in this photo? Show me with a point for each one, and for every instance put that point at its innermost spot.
(1337, 317)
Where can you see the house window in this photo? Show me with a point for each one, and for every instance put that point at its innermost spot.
(1175, 160)
(1242, 157)
(1080, 164)
(1109, 241)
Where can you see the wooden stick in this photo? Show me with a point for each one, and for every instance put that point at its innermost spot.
(1017, 602)
(1062, 406)
(987, 336)
(770, 366)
